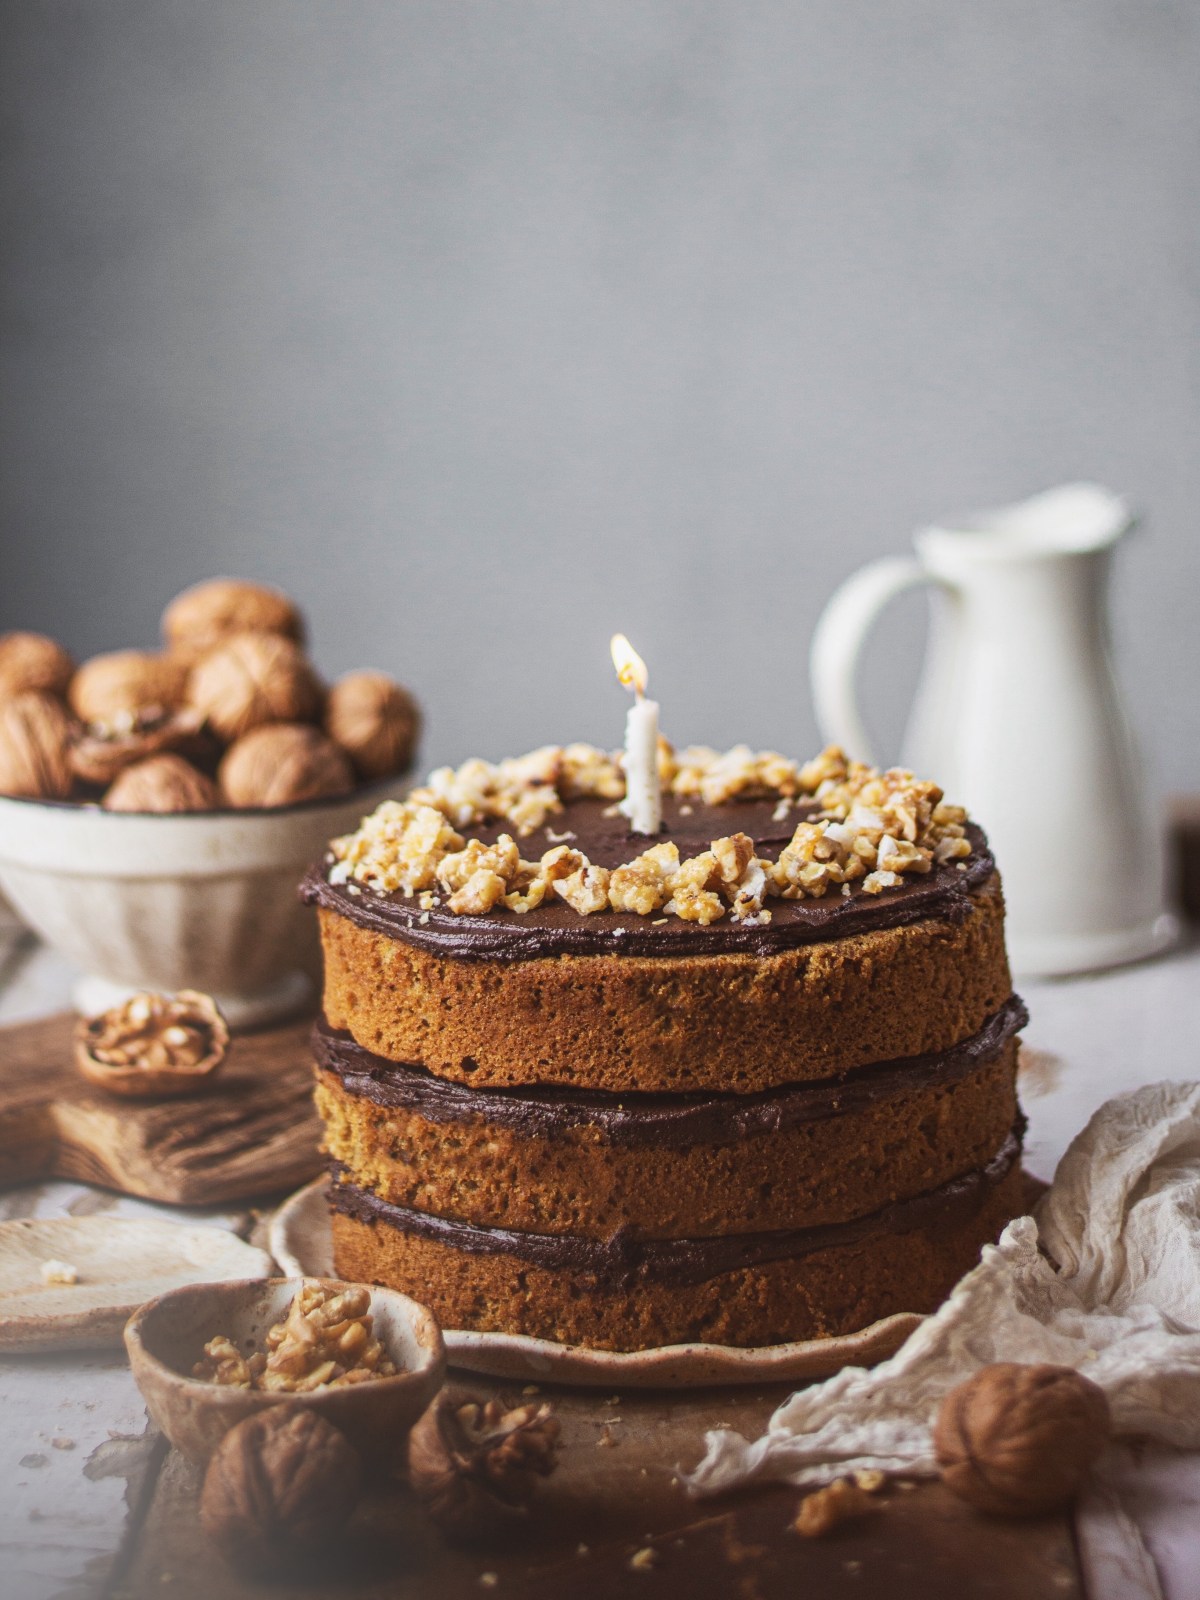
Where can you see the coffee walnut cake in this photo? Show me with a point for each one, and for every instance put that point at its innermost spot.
(750, 1081)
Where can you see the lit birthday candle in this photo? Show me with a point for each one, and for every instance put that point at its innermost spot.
(643, 796)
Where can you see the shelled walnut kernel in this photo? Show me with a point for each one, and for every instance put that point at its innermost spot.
(823, 1510)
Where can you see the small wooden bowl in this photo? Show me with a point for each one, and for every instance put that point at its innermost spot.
(166, 1337)
(154, 1083)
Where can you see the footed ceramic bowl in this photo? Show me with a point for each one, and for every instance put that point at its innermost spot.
(202, 900)
(167, 1337)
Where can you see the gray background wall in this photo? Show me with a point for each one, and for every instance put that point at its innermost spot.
(489, 328)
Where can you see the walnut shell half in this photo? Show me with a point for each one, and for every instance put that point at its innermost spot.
(125, 682)
(161, 784)
(153, 1046)
(475, 1466)
(279, 1486)
(34, 733)
(101, 751)
(1018, 1440)
(30, 663)
(375, 721)
(208, 612)
(281, 765)
(252, 679)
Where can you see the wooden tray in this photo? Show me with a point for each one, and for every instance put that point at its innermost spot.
(617, 1492)
(253, 1133)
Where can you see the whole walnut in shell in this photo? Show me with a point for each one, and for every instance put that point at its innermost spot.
(1018, 1440)
(375, 721)
(278, 1487)
(31, 663)
(281, 765)
(124, 682)
(34, 735)
(208, 612)
(161, 783)
(475, 1466)
(252, 679)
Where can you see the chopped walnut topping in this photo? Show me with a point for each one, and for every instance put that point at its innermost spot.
(750, 891)
(877, 882)
(694, 896)
(643, 885)
(585, 770)
(399, 846)
(867, 827)
(714, 778)
(733, 855)
(481, 891)
(325, 1339)
(522, 790)
(586, 890)
(531, 890)
(501, 859)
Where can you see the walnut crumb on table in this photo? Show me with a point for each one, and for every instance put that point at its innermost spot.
(56, 1273)
(819, 1513)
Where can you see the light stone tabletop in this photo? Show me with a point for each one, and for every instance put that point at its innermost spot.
(77, 1453)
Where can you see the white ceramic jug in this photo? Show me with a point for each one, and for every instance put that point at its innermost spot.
(1018, 718)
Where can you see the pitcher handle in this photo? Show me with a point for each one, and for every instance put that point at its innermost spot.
(838, 641)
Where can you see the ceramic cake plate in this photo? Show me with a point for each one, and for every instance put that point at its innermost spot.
(302, 1243)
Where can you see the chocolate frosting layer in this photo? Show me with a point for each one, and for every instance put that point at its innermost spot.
(621, 1262)
(554, 929)
(672, 1121)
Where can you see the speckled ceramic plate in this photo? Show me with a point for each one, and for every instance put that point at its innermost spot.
(121, 1263)
(302, 1244)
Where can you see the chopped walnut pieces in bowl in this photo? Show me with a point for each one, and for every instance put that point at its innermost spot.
(154, 1045)
(326, 1338)
(367, 1360)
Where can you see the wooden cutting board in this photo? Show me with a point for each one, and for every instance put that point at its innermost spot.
(253, 1133)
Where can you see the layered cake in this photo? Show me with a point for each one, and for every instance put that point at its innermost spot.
(748, 1081)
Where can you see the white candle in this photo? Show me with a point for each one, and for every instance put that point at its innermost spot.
(643, 795)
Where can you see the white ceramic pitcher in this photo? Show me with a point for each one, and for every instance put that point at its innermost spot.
(1018, 718)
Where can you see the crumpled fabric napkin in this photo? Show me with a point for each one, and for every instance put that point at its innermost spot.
(1122, 1222)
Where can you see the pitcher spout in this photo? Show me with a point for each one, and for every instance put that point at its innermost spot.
(1074, 519)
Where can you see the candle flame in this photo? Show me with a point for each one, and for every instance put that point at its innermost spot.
(631, 669)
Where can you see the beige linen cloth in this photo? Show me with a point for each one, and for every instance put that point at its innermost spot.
(1115, 1294)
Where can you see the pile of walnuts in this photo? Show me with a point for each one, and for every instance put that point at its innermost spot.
(230, 712)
